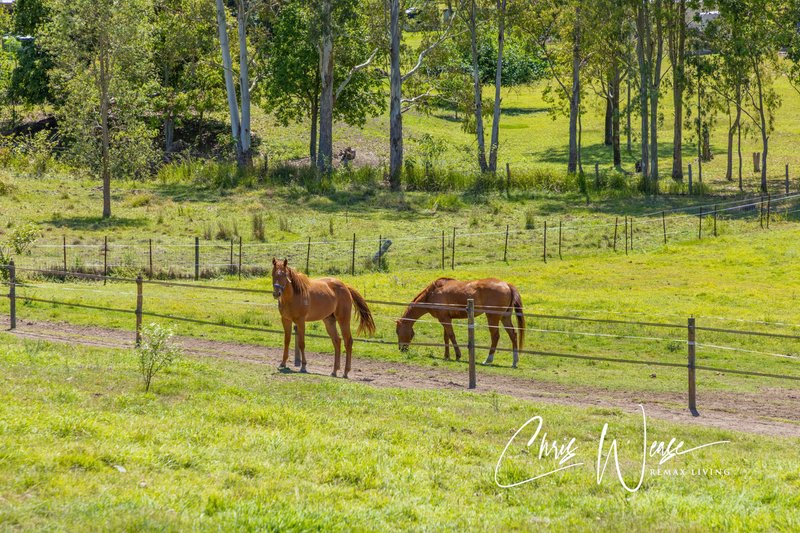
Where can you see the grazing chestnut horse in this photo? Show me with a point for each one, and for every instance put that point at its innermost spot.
(446, 299)
(301, 300)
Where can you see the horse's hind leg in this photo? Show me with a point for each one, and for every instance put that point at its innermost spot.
(508, 324)
(344, 325)
(446, 344)
(494, 332)
(330, 325)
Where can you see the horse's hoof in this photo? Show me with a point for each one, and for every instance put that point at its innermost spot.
(282, 366)
(345, 376)
(488, 362)
(334, 375)
(514, 365)
(303, 370)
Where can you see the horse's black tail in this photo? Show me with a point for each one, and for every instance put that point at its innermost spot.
(366, 322)
(516, 304)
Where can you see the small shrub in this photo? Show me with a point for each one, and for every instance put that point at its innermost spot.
(226, 231)
(17, 242)
(6, 188)
(140, 200)
(156, 353)
(208, 232)
(447, 202)
(283, 224)
(259, 232)
(530, 219)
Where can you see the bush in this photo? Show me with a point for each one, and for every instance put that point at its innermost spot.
(17, 242)
(259, 232)
(156, 353)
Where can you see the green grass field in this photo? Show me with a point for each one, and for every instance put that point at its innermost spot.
(222, 445)
(734, 282)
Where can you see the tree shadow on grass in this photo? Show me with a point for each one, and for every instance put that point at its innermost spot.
(97, 223)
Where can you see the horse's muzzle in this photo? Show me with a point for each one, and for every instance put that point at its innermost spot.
(403, 347)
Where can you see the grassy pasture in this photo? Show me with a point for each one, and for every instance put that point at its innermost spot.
(732, 282)
(234, 445)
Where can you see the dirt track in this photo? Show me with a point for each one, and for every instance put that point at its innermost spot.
(771, 411)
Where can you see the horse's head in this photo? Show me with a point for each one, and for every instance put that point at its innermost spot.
(405, 333)
(280, 277)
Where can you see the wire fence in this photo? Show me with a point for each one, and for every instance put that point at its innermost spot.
(543, 239)
(678, 336)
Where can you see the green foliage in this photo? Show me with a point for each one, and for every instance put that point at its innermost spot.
(157, 352)
(30, 81)
(17, 242)
(96, 45)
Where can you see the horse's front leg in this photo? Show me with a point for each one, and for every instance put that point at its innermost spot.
(448, 327)
(287, 339)
(301, 343)
(446, 344)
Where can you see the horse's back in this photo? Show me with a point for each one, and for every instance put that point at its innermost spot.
(489, 292)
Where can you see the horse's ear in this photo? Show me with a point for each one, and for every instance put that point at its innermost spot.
(285, 263)
(274, 262)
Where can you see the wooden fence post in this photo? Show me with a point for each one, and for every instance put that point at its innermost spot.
(139, 301)
(239, 266)
(297, 357)
(715, 221)
(756, 162)
(232, 264)
(196, 258)
(442, 249)
(597, 176)
(151, 259)
(616, 229)
(505, 250)
(544, 255)
(105, 259)
(631, 234)
(64, 247)
(690, 181)
(692, 369)
(308, 257)
(769, 209)
(664, 224)
(787, 178)
(453, 252)
(508, 180)
(471, 342)
(559, 240)
(700, 225)
(626, 235)
(12, 293)
(353, 257)
(761, 212)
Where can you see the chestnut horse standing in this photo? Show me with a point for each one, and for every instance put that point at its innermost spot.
(301, 300)
(446, 299)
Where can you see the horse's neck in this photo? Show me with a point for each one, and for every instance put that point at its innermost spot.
(414, 312)
(288, 294)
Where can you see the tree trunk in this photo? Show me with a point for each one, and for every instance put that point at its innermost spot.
(325, 153)
(230, 88)
(395, 101)
(608, 128)
(656, 61)
(739, 135)
(678, 60)
(642, 24)
(732, 127)
(498, 81)
(615, 115)
(575, 95)
(312, 143)
(169, 133)
(105, 105)
(244, 84)
(763, 126)
(478, 88)
(628, 128)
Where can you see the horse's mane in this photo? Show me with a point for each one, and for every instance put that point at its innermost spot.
(300, 282)
(423, 295)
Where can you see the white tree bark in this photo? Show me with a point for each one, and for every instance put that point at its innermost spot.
(230, 87)
(325, 149)
(244, 80)
(395, 100)
(501, 39)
